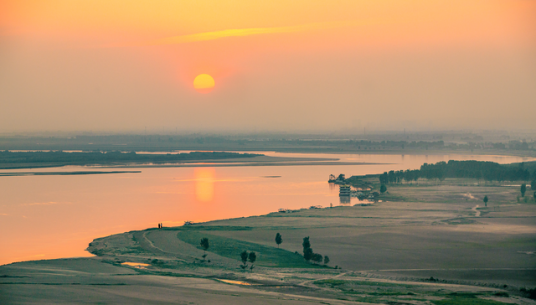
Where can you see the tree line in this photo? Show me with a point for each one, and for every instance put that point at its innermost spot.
(489, 171)
(110, 156)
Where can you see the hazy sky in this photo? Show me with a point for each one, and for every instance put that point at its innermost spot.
(278, 65)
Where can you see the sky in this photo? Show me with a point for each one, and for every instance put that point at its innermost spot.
(282, 66)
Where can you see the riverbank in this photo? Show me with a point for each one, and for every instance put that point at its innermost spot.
(413, 251)
(71, 173)
(41, 159)
(235, 159)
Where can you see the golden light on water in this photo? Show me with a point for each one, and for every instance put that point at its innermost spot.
(204, 184)
(204, 83)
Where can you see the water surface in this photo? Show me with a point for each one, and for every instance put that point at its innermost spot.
(45, 217)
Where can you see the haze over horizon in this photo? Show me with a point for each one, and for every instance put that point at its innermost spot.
(123, 66)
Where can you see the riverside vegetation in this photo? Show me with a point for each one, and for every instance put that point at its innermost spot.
(35, 159)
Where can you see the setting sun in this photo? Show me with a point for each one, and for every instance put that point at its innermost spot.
(204, 83)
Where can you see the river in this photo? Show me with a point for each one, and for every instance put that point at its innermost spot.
(46, 217)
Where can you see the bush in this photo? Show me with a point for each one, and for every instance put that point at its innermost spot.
(317, 258)
(383, 188)
(244, 258)
(532, 293)
(502, 294)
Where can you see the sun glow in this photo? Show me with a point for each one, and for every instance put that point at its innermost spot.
(204, 83)
(204, 184)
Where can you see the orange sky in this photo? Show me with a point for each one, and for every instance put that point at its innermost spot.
(67, 61)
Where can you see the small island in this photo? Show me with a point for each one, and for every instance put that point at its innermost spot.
(35, 159)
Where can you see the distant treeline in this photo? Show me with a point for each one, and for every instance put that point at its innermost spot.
(489, 171)
(273, 142)
(98, 157)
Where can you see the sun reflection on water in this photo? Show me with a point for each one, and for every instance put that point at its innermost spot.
(204, 184)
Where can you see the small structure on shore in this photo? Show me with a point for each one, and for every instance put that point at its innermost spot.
(345, 191)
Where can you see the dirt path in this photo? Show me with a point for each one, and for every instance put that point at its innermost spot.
(477, 212)
(449, 269)
(305, 283)
(166, 243)
(150, 242)
(147, 244)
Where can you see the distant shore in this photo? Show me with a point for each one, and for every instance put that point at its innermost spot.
(43, 159)
(243, 160)
(10, 174)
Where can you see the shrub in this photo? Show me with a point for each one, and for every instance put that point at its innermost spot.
(317, 258)
(244, 258)
(278, 239)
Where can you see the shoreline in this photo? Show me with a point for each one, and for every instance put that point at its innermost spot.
(383, 253)
(220, 163)
(265, 160)
(73, 173)
(253, 164)
(249, 161)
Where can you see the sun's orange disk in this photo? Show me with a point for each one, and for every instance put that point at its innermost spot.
(204, 83)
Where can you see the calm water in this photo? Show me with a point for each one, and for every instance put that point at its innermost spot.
(45, 217)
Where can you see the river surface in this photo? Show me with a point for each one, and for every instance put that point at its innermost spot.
(46, 217)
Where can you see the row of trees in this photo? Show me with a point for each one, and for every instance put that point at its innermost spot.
(309, 255)
(246, 256)
(489, 171)
(524, 188)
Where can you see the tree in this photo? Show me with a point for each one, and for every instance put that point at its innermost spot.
(383, 188)
(205, 245)
(326, 260)
(523, 189)
(317, 258)
(278, 239)
(306, 244)
(384, 178)
(244, 258)
(533, 185)
(308, 254)
(486, 200)
(252, 258)
(307, 251)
